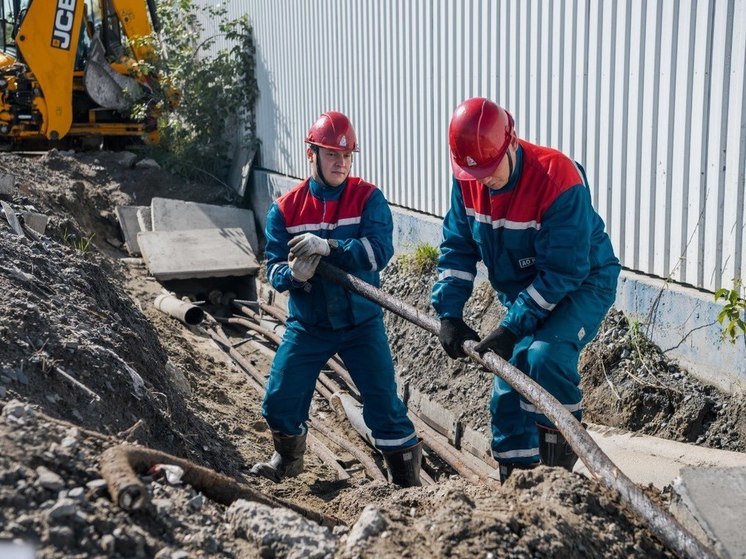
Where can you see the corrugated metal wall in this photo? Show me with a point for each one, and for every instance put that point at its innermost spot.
(650, 96)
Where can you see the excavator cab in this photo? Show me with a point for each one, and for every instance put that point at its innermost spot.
(68, 72)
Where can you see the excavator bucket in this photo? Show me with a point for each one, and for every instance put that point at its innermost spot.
(107, 87)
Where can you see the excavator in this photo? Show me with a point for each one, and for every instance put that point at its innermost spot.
(69, 73)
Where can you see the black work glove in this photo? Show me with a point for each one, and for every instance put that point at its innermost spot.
(501, 341)
(453, 333)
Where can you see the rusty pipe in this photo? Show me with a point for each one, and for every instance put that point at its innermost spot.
(327, 385)
(332, 363)
(120, 465)
(186, 312)
(660, 521)
(368, 463)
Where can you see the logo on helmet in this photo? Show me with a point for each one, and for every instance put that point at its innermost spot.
(343, 142)
(470, 162)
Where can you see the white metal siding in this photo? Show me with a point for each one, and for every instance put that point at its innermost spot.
(650, 96)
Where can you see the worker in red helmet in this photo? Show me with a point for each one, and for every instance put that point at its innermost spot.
(525, 211)
(346, 222)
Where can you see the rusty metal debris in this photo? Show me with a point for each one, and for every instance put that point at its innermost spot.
(121, 464)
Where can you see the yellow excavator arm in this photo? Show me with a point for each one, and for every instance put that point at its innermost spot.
(48, 41)
(69, 68)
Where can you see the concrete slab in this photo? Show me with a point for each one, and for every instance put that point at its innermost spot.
(202, 253)
(651, 460)
(711, 503)
(7, 184)
(130, 225)
(145, 218)
(178, 215)
(36, 221)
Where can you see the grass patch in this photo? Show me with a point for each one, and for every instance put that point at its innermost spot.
(423, 259)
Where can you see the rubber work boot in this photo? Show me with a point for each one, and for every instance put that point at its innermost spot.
(505, 469)
(554, 450)
(287, 461)
(404, 465)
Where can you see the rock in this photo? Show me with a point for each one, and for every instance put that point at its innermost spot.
(370, 524)
(21, 377)
(107, 544)
(7, 185)
(97, 487)
(279, 532)
(62, 509)
(147, 164)
(126, 159)
(61, 536)
(48, 479)
(196, 502)
(77, 494)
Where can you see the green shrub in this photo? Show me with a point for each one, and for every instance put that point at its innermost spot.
(734, 309)
(215, 90)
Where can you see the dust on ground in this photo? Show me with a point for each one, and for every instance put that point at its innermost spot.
(72, 309)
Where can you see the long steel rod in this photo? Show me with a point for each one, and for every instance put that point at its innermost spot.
(660, 521)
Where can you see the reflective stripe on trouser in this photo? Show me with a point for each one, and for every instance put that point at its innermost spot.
(550, 357)
(366, 354)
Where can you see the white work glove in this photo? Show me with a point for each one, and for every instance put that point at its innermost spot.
(308, 244)
(303, 267)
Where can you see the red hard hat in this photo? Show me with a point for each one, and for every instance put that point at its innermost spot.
(479, 135)
(333, 130)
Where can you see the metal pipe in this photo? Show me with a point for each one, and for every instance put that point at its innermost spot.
(186, 312)
(660, 521)
(450, 455)
(368, 463)
(273, 311)
(324, 380)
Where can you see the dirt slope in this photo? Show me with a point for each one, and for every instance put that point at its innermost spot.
(152, 381)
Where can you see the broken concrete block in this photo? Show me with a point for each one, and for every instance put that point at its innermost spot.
(266, 188)
(177, 215)
(145, 218)
(36, 221)
(709, 502)
(7, 184)
(10, 215)
(202, 253)
(238, 176)
(130, 225)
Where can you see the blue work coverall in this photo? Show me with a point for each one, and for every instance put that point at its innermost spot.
(324, 318)
(553, 266)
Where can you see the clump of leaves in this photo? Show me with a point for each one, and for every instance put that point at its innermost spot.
(203, 91)
(731, 318)
(423, 259)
